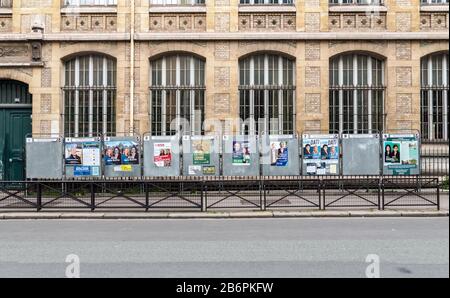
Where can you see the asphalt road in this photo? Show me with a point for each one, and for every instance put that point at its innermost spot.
(317, 247)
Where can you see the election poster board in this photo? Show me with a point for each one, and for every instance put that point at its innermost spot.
(280, 156)
(82, 157)
(201, 156)
(401, 153)
(161, 156)
(361, 154)
(122, 156)
(321, 154)
(44, 153)
(240, 155)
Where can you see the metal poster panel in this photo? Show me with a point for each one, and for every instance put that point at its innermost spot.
(280, 155)
(122, 157)
(401, 154)
(201, 156)
(321, 154)
(240, 156)
(44, 158)
(361, 154)
(82, 157)
(161, 156)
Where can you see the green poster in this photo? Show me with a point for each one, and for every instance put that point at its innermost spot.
(202, 152)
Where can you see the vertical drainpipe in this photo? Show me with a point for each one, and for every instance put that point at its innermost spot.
(132, 50)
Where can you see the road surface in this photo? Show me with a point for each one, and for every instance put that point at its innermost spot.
(316, 247)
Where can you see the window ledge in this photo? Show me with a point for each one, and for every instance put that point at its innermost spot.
(434, 8)
(5, 11)
(178, 9)
(357, 8)
(267, 8)
(89, 9)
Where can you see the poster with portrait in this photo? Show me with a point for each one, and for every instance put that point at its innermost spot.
(279, 154)
(162, 155)
(201, 152)
(121, 155)
(241, 153)
(321, 154)
(83, 157)
(401, 154)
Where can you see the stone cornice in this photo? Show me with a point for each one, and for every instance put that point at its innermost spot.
(205, 36)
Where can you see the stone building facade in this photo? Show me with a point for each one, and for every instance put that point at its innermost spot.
(38, 39)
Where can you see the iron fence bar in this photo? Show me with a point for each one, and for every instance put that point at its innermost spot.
(92, 188)
(38, 197)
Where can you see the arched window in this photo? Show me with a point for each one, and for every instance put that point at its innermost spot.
(177, 94)
(90, 96)
(356, 93)
(434, 97)
(267, 94)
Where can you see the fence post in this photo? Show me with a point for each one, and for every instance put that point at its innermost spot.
(147, 201)
(92, 187)
(438, 195)
(39, 197)
(262, 195)
(321, 198)
(204, 196)
(382, 194)
(380, 182)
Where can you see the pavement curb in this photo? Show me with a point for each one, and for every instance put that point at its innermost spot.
(218, 215)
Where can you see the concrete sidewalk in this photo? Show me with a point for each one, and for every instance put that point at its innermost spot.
(222, 214)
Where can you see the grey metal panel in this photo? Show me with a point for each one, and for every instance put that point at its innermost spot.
(361, 154)
(150, 167)
(292, 168)
(191, 168)
(409, 163)
(95, 171)
(230, 168)
(44, 158)
(321, 166)
(122, 170)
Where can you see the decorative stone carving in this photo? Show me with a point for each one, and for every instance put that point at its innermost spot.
(403, 50)
(403, 21)
(312, 103)
(434, 21)
(403, 76)
(222, 51)
(89, 22)
(222, 22)
(404, 103)
(312, 50)
(357, 21)
(178, 22)
(221, 77)
(221, 103)
(5, 23)
(312, 76)
(265, 22)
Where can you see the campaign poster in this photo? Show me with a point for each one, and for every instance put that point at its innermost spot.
(241, 153)
(162, 155)
(279, 155)
(401, 154)
(209, 170)
(195, 170)
(321, 156)
(121, 155)
(202, 152)
(84, 157)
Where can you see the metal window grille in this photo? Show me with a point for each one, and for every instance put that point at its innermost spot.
(434, 97)
(357, 91)
(267, 94)
(177, 95)
(90, 96)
